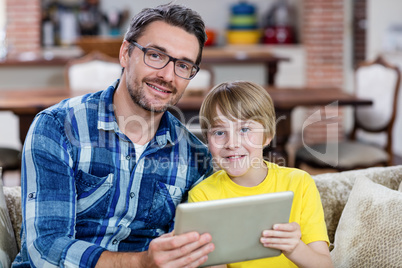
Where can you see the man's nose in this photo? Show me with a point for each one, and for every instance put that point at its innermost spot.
(167, 72)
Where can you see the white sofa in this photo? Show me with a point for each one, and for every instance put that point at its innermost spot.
(363, 213)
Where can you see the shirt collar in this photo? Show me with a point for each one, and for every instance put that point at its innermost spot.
(106, 117)
(166, 130)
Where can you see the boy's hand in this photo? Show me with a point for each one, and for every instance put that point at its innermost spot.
(285, 237)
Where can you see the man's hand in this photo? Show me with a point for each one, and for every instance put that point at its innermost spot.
(167, 251)
(285, 237)
(185, 250)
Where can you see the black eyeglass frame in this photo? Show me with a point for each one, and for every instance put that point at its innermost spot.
(145, 50)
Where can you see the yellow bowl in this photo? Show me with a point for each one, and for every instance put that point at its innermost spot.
(243, 37)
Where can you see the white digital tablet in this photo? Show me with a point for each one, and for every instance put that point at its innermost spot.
(235, 224)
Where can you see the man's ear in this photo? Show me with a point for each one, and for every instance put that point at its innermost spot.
(123, 55)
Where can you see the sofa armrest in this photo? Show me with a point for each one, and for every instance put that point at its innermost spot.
(335, 188)
(13, 200)
(8, 243)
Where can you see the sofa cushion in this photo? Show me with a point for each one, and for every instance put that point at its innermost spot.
(335, 188)
(369, 233)
(8, 244)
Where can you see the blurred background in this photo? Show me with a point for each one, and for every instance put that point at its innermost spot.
(322, 40)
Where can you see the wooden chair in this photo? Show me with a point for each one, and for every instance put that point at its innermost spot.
(203, 81)
(10, 159)
(92, 72)
(380, 82)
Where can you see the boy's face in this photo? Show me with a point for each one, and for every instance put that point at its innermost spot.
(237, 146)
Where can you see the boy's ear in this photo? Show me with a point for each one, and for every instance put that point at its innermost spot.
(267, 141)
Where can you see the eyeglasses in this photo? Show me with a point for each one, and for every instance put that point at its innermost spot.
(157, 59)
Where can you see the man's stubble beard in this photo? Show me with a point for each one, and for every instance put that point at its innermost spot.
(138, 97)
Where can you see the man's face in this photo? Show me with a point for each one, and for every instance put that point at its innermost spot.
(152, 89)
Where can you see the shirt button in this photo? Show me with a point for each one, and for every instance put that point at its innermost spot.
(30, 195)
(128, 157)
(132, 194)
(114, 242)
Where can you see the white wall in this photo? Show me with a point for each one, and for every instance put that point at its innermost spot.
(2, 13)
(2, 29)
(380, 16)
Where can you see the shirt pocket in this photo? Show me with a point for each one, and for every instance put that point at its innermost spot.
(93, 194)
(165, 200)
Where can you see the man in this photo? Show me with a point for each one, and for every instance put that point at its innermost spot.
(103, 173)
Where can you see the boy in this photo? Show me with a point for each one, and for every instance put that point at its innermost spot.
(238, 120)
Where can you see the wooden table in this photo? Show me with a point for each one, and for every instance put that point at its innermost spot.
(26, 104)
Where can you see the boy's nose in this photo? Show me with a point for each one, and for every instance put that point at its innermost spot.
(233, 142)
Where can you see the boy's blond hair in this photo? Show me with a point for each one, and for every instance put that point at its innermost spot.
(238, 100)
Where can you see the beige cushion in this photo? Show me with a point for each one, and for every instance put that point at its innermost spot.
(369, 233)
(335, 188)
(8, 244)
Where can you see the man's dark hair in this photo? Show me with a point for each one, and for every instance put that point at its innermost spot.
(175, 15)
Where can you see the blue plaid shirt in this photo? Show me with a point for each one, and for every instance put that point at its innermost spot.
(84, 191)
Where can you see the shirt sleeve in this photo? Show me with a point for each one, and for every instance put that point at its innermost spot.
(198, 193)
(49, 199)
(196, 196)
(312, 219)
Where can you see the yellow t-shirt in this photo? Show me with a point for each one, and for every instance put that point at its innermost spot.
(306, 208)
